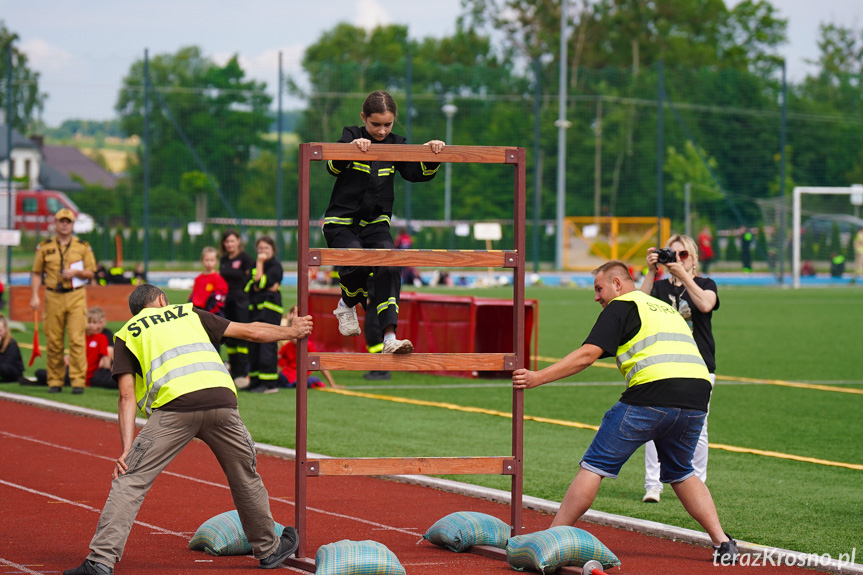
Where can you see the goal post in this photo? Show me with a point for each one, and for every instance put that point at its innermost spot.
(855, 192)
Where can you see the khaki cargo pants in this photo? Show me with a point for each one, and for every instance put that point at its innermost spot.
(159, 442)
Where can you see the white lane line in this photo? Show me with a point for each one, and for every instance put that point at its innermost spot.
(378, 526)
(87, 507)
(156, 528)
(21, 567)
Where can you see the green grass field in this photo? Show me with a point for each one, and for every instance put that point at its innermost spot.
(810, 504)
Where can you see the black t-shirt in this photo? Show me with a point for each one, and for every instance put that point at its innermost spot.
(698, 321)
(618, 323)
(236, 272)
(211, 398)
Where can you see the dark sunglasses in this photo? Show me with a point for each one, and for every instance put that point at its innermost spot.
(683, 254)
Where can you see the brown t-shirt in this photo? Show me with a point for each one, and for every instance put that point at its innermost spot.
(211, 398)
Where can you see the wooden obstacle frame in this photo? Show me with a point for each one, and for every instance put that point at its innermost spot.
(514, 260)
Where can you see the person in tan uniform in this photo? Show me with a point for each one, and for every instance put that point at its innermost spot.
(63, 263)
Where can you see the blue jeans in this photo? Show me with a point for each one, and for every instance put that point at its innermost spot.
(625, 428)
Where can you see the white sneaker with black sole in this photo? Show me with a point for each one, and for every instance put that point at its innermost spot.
(348, 322)
(398, 346)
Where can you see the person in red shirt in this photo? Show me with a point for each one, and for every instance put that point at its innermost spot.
(705, 248)
(210, 288)
(288, 361)
(99, 351)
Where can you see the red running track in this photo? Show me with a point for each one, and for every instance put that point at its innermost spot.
(55, 476)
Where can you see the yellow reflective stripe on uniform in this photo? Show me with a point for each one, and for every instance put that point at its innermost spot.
(428, 171)
(339, 221)
(241, 349)
(146, 403)
(272, 306)
(390, 302)
(667, 358)
(383, 172)
(174, 353)
(262, 283)
(650, 340)
(332, 167)
(268, 376)
(663, 348)
(361, 167)
(354, 293)
(377, 220)
(375, 348)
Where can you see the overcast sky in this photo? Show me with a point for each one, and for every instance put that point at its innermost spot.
(83, 48)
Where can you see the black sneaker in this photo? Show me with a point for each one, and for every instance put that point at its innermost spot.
(24, 380)
(77, 390)
(726, 553)
(377, 375)
(55, 389)
(90, 568)
(288, 543)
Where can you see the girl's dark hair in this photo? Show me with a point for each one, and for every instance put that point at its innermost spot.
(225, 235)
(379, 102)
(270, 241)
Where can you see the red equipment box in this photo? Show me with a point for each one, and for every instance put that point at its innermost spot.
(436, 324)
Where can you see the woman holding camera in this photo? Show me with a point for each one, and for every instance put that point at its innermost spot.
(695, 298)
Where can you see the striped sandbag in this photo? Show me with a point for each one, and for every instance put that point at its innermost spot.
(549, 550)
(357, 558)
(224, 535)
(463, 529)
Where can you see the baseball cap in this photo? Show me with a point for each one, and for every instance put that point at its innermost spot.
(65, 213)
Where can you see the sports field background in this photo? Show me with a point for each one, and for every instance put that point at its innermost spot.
(785, 468)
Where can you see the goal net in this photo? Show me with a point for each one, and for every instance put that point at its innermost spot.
(823, 223)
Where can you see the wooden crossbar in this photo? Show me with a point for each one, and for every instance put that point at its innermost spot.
(412, 466)
(414, 153)
(414, 258)
(414, 361)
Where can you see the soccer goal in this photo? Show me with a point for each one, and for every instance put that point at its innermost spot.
(856, 195)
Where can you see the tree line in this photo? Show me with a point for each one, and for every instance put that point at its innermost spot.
(716, 69)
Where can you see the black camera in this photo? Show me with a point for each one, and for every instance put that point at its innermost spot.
(666, 255)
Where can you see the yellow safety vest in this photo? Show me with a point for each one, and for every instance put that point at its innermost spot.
(175, 354)
(662, 349)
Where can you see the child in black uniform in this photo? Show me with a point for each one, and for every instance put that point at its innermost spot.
(265, 305)
(359, 213)
(235, 266)
(11, 364)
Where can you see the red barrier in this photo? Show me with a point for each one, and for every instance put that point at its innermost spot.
(436, 324)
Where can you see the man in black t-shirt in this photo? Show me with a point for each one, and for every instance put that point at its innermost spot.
(165, 357)
(665, 400)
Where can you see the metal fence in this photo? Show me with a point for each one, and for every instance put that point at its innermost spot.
(703, 148)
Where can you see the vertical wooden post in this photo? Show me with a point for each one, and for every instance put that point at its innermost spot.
(300, 471)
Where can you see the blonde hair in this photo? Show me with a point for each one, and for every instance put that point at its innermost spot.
(209, 250)
(690, 245)
(7, 336)
(96, 313)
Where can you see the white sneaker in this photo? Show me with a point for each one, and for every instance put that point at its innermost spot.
(652, 495)
(241, 382)
(348, 322)
(398, 346)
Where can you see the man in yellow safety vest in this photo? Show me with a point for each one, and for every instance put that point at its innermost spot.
(167, 367)
(666, 396)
